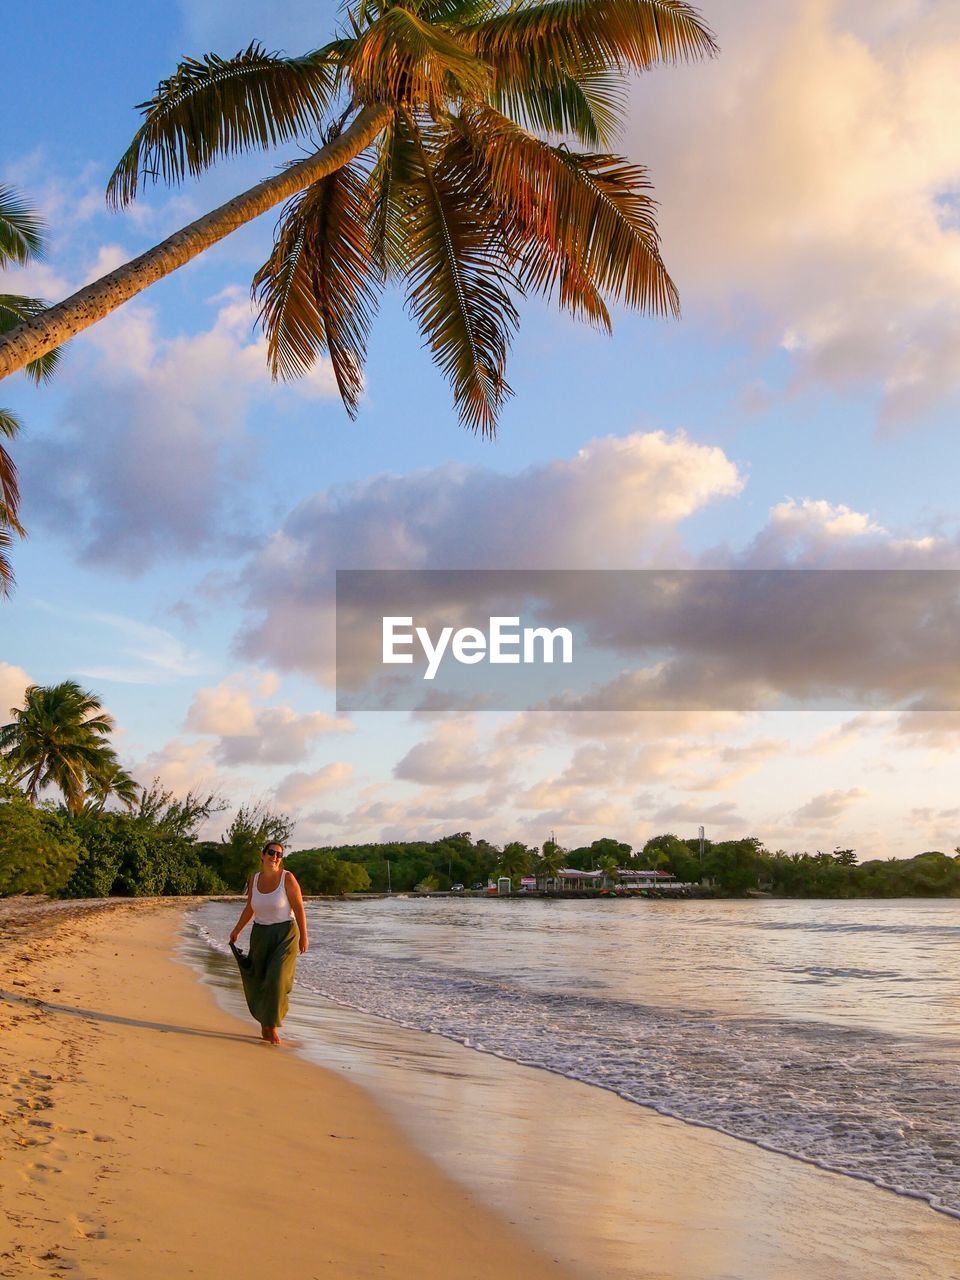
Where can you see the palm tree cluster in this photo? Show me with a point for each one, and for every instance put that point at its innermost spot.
(59, 738)
(21, 241)
(465, 155)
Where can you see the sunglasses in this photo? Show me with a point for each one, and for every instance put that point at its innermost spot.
(270, 853)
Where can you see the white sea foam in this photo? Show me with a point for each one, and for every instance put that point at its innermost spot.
(853, 1098)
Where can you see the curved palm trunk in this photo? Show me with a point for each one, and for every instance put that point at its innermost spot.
(34, 782)
(59, 323)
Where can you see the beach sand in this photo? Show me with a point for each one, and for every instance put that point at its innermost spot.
(147, 1132)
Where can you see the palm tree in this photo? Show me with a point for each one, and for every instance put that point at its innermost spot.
(111, 779)
(432, 172)
(610, 866)
(59, 738)
(515, 861)
(551, 860)
(21, 241)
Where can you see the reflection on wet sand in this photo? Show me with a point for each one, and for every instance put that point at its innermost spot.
(611, 1188)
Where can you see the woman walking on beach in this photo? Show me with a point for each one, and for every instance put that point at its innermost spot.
(275, 905)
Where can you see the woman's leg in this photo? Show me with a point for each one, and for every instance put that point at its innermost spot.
(278, 978)
(253, 968)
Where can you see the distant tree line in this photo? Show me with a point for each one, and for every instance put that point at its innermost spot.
(148, 844)
(730, 867)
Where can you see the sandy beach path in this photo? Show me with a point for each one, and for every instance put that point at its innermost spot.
(146, 1132)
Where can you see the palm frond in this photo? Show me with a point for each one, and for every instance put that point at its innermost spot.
(9, 493)
(10, 424)
(403, 60)
(589, 107)
(580, 222)
(457, 287)
(9, 480)
(457, 12)
(7, 579)
(14, 309)
(22, 231)
(319, 289)
(213, 107)
(108, 778)
(395, 168)
(582, 37)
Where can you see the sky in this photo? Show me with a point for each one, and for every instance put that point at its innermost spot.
(186, 514)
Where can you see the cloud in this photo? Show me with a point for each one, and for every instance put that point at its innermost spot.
(617, 503)
(823, 810)
(151, 446)
(808, 179)
(939, 828)
(665, 640)
(298, 789)
(738, 762)
(813, 533)
(13, 685)
(247, 734)
(65, 202)
(588, 814)
(687, 814)
(181, 767)
(112, 646)
(931, 730)
(564, 721)
(227, 707)
(449, 758)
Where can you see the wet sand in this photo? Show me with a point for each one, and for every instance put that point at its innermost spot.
(612, 1189)
(146, 1132)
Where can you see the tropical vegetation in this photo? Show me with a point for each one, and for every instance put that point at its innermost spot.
(59, 738)
(465, 156)
(109, 836)
(22, 235)
(729, 867)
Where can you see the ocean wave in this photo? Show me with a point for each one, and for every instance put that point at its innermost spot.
(873, 1106)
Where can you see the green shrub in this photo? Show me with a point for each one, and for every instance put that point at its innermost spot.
(100, 860)
(131, 857)
(319, 872)
(38, 851)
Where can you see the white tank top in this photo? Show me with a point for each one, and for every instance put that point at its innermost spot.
(270, 908)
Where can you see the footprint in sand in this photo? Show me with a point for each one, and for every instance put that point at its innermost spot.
(34, 1104)
(39, 1172)
(85, 1133)
(87, 1228)
(53, 1263)
(34, 1142)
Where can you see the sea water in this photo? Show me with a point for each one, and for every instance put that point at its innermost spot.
(828, 1031)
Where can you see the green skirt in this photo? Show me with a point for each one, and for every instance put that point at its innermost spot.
(267, 970)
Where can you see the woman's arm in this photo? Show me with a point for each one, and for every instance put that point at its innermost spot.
(246, 915)
(296, 902)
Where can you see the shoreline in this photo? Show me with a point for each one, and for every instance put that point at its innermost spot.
(134, 1105)
(146, 1130)
(681, 1198)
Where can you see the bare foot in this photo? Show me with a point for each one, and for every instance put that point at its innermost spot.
(264, 1033)
(273, 1036)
